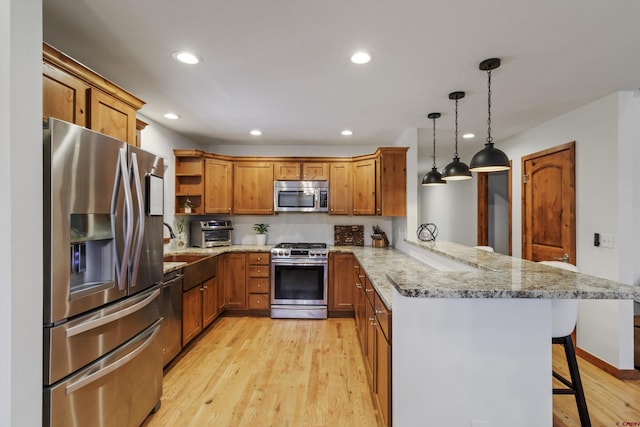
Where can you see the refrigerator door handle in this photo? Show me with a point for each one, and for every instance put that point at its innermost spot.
(73, 387)
(96, 323)
(121, 174)
(135, 261)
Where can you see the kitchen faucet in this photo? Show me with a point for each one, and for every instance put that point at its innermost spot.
(172, 235)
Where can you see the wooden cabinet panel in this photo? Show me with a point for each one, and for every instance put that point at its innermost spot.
(315, 171)
(191, 314)
(253, 188)
(222, 300)
(209, 301)
(383, 376)
(287, 171)
(364, 187)
(258, 285)
(218, 186)
(383, 315)
(235, 281)
(370, 339)
(111, 117)
(340, 189)
(258, 271)
(341, 285)
(391, 195)
(259, 258)
(63, 96)
(189, 183)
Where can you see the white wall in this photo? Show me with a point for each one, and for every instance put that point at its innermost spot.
(404, 226)
(452, 207)
(21, 212)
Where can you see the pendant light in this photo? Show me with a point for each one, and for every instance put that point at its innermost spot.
(489, 159)
(433, 178)
(456, 170)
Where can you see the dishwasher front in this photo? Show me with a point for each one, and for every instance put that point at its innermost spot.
(171, 311)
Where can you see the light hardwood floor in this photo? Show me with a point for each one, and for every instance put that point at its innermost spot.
(262, 372)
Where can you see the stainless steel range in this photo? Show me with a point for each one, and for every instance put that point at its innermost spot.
(299, 281)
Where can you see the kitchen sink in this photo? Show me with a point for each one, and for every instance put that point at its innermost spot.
(184, 258)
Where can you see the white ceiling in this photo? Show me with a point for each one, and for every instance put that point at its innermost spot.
(283, 65)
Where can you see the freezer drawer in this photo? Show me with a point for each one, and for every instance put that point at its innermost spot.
(74, 344)
(119, 390)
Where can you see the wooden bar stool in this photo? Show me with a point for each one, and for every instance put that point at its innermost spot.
(564, 315)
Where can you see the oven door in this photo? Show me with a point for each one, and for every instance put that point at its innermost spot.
(298, 282)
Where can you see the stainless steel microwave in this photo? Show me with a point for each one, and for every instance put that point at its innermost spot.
(301, 196)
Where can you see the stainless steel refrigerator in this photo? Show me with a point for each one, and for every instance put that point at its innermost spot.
(102, 274)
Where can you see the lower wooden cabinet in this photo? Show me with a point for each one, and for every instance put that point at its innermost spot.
(259, 281)
(235, 281)
(199, 308)
(341, 277)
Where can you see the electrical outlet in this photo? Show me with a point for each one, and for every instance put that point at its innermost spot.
(606, 240)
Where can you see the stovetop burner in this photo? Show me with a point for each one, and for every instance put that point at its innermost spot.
(301, 246)
(300, 250)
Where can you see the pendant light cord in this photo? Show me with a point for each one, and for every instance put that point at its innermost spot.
(489, 138)
(434, 142)
(456, 154)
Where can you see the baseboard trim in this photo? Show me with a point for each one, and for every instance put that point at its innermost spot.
(621, 374)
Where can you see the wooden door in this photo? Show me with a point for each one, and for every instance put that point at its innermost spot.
(253, 188)
(235, 281)
(340, 189)
(315, 171)
(341, 270)
(191, 314)
(63, 96)
(286, 171)
(218, 186)
(391, 186)
(364, 187)
(209, 301)
(486, 197)
(383, 375)
(222, 299)
(549, 205)
(112, 117)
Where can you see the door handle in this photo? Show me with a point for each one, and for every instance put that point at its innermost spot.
(121, 178)
(565, 258)
(135, 261)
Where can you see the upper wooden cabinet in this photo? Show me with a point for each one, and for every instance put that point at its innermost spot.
(391, 181)
(340, 188)
(73, 93)
(305, 171)
(189, 184)
(218, 186)
(253, 188)
(364, 187)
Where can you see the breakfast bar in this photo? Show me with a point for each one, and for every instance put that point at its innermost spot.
(472, 332)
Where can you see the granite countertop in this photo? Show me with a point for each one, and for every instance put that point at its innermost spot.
(171, 266)
(493, 276)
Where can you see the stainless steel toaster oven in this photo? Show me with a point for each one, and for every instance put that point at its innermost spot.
(207, 234)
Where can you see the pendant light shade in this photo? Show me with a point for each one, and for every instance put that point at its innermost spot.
(489, 159)
(456, 170)
(434, 177)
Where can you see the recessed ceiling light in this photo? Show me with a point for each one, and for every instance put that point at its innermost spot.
(469, 135)
(360, 58)
(256, 132)
(347, 132)
(171, 116)
(186, 57)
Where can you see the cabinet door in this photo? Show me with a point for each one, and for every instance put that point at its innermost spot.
(63, 96)
(235, 281)
(112, 117)
(364, 187)
(341, 296)
(392, 177)
(209, 301)
(191, 314)
(218, 186)
(361, 314)
(315, 171)
(370, 339)
(286, 171)
(383, 375)
(253, 188)
(222, 299)
(340, 189)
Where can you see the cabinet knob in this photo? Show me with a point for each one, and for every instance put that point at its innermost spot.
(369, 290)
(259, 285)
(259, 259)
(258, 301)
(258, 270)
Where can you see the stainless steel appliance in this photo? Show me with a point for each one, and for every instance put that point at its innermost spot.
(299, 280)
(103, 242)
(207, 234)
(301, 196)
(171, 312)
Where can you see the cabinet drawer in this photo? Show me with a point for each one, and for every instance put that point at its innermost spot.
(258, 285)
(261, 258)
(383, 315)
(258, 271)
(258, 301)
(369, 290)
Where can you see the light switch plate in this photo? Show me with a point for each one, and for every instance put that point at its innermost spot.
(606, 240)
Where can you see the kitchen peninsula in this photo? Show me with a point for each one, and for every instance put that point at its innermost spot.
(471, 330)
